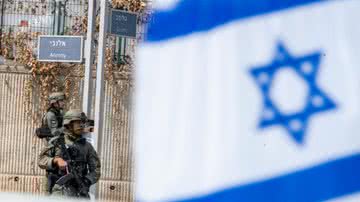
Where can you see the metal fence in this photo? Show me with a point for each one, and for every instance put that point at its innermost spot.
(58, 17)
(49, 17)
(45, 16)
(30, 15)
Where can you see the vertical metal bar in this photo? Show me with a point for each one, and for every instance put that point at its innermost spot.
(2, 23)
(62, 17)
(118, 49)
(89, 58)
(58, 17)
(54, 16)
(99, 98)
(123, 50)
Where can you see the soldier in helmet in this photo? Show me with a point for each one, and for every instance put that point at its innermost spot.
(53, 122)
(72, 158)
(54, 116)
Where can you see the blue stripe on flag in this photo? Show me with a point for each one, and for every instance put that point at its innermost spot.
(326, 181)
(201, 15)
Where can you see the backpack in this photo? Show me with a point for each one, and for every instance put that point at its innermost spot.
(44, 131)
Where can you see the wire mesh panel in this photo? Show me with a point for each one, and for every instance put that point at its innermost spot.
(27, 16)
(75, 12)
(46, 17)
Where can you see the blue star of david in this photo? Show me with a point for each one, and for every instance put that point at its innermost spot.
(317, 101)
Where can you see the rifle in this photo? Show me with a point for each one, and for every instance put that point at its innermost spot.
(71, 172)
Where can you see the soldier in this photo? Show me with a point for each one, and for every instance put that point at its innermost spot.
(72, 158)
(54, 116)
(52, 121)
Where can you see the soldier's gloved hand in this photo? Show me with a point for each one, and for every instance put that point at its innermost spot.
(60, 163)
(57, 133)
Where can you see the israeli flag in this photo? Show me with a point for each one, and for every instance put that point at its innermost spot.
(249, 100)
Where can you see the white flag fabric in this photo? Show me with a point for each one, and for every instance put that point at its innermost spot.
(249, 100)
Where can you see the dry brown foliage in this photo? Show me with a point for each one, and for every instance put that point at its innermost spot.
(44, 77)
(130, 5)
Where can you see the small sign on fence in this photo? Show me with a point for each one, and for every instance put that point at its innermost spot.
(123, 23)
(60, 48)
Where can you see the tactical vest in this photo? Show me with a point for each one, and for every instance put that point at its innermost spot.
(59, 117)
(44, 131)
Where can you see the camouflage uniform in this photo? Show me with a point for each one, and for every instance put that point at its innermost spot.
(53, 119)
(86, 160)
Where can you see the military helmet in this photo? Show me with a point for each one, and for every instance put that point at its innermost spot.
(73, 115)
(57, 96)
